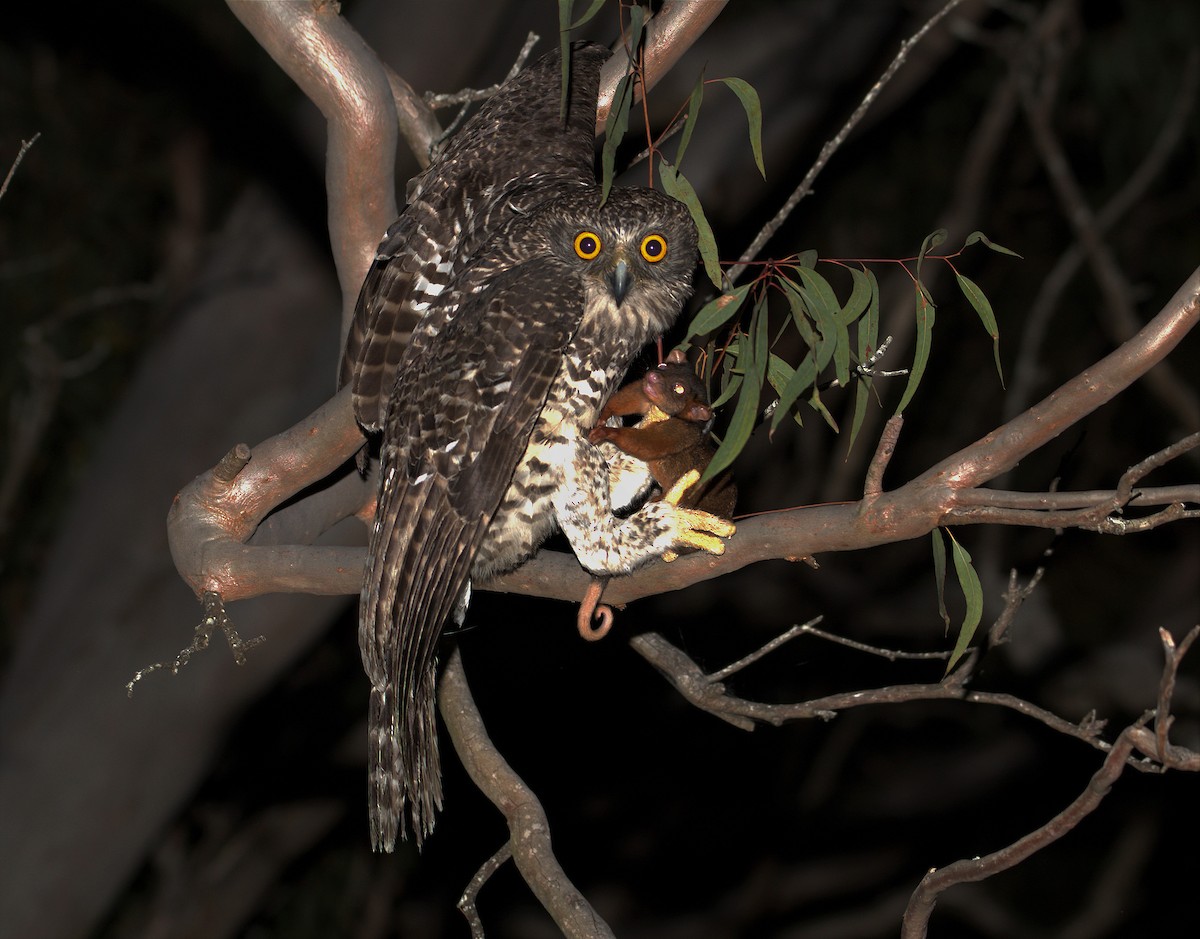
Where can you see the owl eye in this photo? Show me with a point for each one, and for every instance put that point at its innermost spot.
(587, 245)
(654, 248)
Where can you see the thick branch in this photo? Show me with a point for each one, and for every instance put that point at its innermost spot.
(1006, 446)
(529, 830)
(342, 76)
(213, 517)
(674, 30)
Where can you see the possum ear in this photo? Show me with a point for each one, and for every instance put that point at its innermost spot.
(698, 413)
(677, 357)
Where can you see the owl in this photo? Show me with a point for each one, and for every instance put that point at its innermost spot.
(518, 298)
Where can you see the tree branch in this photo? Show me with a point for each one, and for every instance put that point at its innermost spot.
(529, 830)
(342, 76)
(1135, 736)
(672, 31)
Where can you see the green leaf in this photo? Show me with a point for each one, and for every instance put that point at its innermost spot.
(779, 373)
(587, 16)
(732, 384)
(807, 258)
(868, 335)
(827, 303)
(984, 308)
(860, 298)
(677, 186)
(802, 379)
(564, 45)
(693, 115)
(968, 580)
(745, 412)
(749, 98)
(926, 313)
(818, 405)
(933, 240)
(717, 312)
(799, 313)
(939, 574)
(980, 236)
(758, 329)
(822, 305)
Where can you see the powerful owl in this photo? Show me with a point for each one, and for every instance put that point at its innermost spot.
(502, 308)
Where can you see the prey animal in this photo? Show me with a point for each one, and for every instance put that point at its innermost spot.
(672, 439)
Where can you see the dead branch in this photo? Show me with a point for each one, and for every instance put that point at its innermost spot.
(1133, 737)
(708, 692)
(529, 830)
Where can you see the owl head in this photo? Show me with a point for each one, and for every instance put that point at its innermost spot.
(634, 255)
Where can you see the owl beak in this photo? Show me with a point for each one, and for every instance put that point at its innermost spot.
(619, 281)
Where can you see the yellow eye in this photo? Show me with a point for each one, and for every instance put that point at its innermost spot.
(654, 248)
(587, 245)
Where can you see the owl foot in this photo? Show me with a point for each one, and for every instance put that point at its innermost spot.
(696, 524)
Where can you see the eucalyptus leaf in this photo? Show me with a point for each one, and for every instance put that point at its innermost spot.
(983, 307)
(676, 185)
(615, 127)
(968, 580)
(693, 115)
(939, 574)
(717, 312)
(926, 313)
(753, 107)
(978, 236)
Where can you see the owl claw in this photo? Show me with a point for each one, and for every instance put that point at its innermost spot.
(682, 485)
(696, 524)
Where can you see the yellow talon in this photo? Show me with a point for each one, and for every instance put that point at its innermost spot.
(682, 485)
(699, 523)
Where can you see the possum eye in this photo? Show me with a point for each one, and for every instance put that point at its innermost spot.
(654, 248)
(679, 389)
(587, 245)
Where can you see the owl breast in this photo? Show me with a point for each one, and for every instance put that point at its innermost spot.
(525, 517)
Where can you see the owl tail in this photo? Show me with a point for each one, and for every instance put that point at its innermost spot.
(405, 768)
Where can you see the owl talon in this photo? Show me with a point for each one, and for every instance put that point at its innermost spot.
(682, 485)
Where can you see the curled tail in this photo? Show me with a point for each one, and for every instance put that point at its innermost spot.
(405, 769)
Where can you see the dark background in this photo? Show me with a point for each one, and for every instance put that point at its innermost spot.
(167, 292)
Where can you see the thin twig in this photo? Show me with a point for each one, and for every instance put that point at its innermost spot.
(471, 95)
(466, 902)
(920, 907)
(973, 870)
(770, 647)
(1024, 373)
(25, 145)
(1014, 597)
(214, 617)
(1118, 311)
(833, 145)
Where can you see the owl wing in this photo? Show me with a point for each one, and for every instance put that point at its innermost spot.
(513, 154)
(461, 420)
